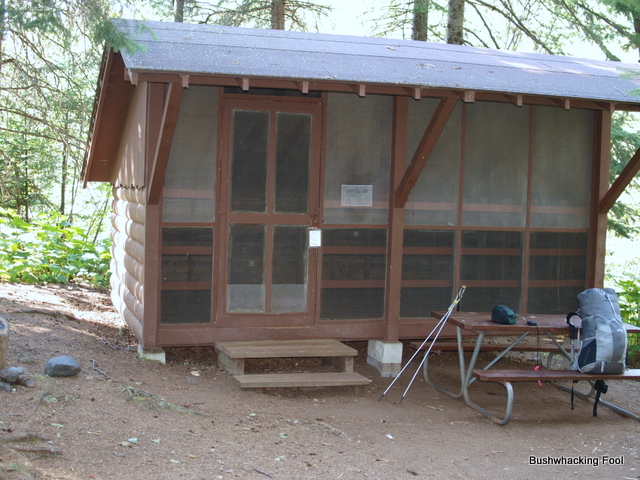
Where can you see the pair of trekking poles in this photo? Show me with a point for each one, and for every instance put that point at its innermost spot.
(433, 336)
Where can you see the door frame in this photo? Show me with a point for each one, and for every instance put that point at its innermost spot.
(223, 318)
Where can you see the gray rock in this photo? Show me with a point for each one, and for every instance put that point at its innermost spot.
(11, 374)
(62, 366)
(8, 376)
(26, 381)
(5, 387)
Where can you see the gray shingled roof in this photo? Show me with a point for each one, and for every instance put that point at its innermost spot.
(231, 51)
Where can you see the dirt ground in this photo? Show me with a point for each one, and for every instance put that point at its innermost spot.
(128, 418)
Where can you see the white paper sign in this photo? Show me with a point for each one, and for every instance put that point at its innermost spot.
(357, 196)
(315, 238)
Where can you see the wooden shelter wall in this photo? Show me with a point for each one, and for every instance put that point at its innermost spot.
(128, 256)
(502, 205)
(469, 219)
(132, 152)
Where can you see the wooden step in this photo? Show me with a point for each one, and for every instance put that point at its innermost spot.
(231, 355)
(325, 379)
(286, 349)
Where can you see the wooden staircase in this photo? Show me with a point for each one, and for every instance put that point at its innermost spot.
(231, 356)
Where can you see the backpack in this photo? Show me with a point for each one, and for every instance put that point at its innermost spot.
(604, 339)
(503, 315)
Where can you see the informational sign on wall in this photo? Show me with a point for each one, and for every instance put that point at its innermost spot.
(357, 196)
(315, 237)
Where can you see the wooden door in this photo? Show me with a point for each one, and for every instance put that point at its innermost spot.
(269, 205)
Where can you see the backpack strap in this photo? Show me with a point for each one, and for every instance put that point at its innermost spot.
(601, 388)
(573, 330)
(573, 333)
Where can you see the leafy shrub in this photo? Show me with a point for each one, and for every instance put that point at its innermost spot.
(629, 295)
(50, 250)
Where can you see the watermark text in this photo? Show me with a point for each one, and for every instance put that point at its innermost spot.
(592, 461)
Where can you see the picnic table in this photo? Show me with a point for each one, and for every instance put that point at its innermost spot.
(553, 327)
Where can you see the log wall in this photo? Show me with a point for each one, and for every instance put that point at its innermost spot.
(127, 265)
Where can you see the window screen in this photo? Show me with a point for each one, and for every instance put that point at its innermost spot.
(427, 272)
(495, 165)
(557, 271)
(562, 159)
(491, 265)
(434, 198)
(187, 275)
(358, 159)
(354, 266)
(189, 183)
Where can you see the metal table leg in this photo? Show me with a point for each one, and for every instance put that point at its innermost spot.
(427, 378)
(469, 379)
(508, 410)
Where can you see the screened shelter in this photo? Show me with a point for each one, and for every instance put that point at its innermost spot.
(285, 185)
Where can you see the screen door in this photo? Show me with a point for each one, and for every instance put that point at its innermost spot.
(272, 196)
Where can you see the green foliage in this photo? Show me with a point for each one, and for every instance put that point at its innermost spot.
(625, 140)
(629, 296)
(50, 250)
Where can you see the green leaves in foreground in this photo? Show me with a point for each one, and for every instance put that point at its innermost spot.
(629, 293)
(49, 250)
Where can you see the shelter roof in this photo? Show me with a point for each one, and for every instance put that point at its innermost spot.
(233, 51)
(220, 55)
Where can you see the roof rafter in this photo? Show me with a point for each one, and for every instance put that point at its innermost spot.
(620, 183)
(425, 147)
(165, 139)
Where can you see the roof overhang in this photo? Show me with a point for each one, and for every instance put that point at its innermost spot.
(188, 54)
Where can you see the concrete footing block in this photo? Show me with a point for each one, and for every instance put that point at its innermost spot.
(155, 354)
(385, 356)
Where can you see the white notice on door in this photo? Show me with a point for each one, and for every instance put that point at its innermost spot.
(357, 196)
(315, 237)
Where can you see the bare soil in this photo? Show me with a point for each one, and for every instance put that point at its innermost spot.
(128, 418)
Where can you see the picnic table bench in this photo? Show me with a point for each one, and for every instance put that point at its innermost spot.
(543, 328)
(506, 377)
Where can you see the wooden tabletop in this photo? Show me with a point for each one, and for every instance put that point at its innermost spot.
(478, 321)
(481, 321)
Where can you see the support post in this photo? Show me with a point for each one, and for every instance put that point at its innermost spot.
(385, 356)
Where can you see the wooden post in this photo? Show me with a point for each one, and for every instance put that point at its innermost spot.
(4, 340)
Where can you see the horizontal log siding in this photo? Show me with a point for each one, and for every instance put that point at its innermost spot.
(127, 266)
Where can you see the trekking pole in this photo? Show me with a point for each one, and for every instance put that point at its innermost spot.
(438, 329)
(444, 319)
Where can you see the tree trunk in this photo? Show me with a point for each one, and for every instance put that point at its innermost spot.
(63, 181)
(2, 20)
(178, 11)
(277, 14)
(420, 20)
(455, 25)
(636, 26)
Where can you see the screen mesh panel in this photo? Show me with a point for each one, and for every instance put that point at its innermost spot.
(557, 271)
(427, 272)
(187, 275)
(434, 199)
(358, 160)
(491, 265)
(353, 273)
(190, 178)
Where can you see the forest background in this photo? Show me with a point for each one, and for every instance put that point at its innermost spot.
(54, 230)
